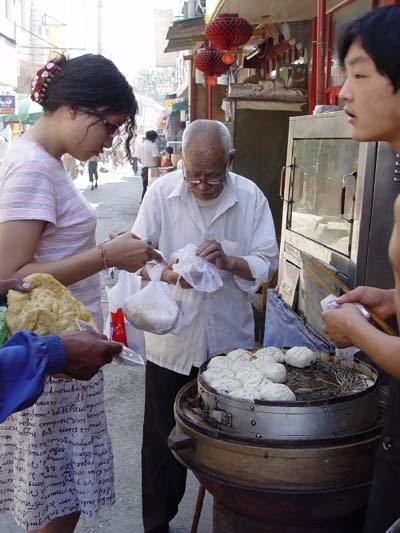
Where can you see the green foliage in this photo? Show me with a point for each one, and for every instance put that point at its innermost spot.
(155, 82)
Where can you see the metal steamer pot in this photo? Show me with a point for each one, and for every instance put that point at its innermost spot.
(294, 486)
(300, 468)
(314, 419)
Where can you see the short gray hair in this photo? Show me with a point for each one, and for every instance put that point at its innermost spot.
(202, 125)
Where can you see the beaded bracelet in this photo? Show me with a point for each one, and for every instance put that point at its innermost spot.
(102, 249)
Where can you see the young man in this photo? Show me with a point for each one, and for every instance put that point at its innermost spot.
(370, 51)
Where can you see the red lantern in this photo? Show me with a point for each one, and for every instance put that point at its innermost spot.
(228, 58)
(228, 31)
(209, 61)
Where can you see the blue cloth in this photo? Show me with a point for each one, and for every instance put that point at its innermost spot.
(25, 362)
(284, 327)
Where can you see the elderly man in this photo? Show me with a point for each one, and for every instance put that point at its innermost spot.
(228, 218)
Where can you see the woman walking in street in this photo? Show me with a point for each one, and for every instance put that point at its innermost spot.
(55, 457)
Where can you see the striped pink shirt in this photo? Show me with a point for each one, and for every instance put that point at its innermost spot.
(35, 186)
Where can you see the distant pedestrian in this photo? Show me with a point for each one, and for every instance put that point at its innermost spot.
(166, 159)
(149, 157)
(135, 151)
(93, 175)
(70, 165)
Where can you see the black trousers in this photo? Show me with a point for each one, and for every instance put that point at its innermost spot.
(134, 163)
(145, 181)
(163, 477)
(93, 171)
(384, 502)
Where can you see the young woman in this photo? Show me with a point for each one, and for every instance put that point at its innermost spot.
(55, 457)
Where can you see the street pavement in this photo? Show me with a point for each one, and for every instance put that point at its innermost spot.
(117, 202)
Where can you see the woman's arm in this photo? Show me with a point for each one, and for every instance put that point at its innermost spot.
(19, 239)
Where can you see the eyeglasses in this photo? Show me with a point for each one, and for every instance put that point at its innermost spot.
(208, 181)
(111, 129)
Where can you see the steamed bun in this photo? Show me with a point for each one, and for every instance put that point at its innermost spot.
(263, 361)
(300, 357)
(271, 351)
(277, 392)
(238, 355)
(251, 377)
(275, 372)
(225, 385)
(240, 366)
(220, 361)
(248, 394)
(212, 374)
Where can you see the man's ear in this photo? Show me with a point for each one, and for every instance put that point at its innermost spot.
(231, 156)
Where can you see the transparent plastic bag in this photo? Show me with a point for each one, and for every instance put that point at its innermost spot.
(154, 309)
(199, 273)
(126, 357)
(117, 327)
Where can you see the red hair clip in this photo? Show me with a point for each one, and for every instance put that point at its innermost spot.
(41, 81)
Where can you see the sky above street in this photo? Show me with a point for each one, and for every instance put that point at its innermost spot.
(128, 31)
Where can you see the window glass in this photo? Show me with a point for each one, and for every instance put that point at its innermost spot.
(340, 19)
(320, 167)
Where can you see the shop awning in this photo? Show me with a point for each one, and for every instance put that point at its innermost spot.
(28, 112)
(178, 104)
(183, 34)
(258, 11)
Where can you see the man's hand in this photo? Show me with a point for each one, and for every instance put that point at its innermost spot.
(14, 283)
(340, 323)
(86, 352)
(8, 284)
(168, 276)
(213, 252)
(381, 301)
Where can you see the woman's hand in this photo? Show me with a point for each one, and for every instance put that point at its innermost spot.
(128, 252)
(341, 323)
(381, 301)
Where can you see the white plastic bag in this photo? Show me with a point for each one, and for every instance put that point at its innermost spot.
(154, 309)
(328, 303)
(117, 327)
(199, 273)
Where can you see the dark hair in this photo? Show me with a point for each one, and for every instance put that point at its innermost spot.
(169, 149)
(151, 135)
(91, 81)
(378, 32)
